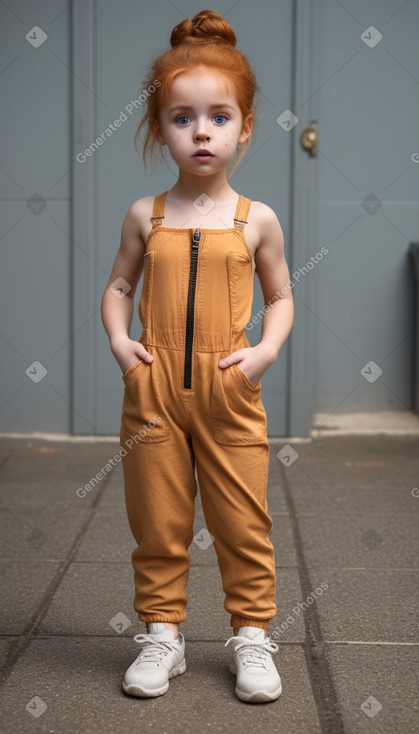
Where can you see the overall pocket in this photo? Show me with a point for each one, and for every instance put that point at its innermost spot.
(142, 414)
(258, 386)
(133, 367)
(237, 412)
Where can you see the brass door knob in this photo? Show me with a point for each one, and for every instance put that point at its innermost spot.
(308, 139)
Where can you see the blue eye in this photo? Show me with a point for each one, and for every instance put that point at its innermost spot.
(186, 119)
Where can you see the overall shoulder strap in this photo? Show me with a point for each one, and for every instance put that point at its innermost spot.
(242, 210)
(158, 209)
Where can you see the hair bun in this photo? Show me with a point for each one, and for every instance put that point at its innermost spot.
(206, 26)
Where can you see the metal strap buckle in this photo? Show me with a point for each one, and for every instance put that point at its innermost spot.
(239, 223)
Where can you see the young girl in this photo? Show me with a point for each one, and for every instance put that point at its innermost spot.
(192, 382)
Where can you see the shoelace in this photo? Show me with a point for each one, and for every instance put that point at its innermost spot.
(152, 653)
(253, 653)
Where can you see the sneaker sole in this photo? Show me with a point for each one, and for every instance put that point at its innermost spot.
(255, 696)
(152, 692)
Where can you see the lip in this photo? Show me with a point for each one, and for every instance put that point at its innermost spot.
(203, 153)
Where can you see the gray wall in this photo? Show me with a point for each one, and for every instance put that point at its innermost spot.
(355, 306)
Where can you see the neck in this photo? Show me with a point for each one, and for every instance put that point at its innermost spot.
(188, 187)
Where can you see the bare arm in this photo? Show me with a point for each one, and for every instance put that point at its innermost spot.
(278, 317)
(117, 304)
(273, 273)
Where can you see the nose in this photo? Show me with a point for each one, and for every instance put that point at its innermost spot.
(201, 131)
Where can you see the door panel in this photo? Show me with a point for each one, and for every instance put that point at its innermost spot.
(365, 94)
(35, 208)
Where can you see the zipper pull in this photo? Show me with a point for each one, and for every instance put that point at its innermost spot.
(196, 238)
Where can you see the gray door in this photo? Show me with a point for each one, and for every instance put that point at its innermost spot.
(108, 181)
(348, 213)
(365, 99)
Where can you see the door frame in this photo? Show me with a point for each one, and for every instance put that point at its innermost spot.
(303, 225)
(84, 231)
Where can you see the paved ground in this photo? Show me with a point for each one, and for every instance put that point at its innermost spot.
(345, 514)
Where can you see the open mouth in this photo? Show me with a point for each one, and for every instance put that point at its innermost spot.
(203, 154)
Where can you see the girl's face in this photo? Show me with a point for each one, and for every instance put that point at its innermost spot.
(202, 112)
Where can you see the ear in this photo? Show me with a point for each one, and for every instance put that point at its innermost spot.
(156, 131)
(247, 127)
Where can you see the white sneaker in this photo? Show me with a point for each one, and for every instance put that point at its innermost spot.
(162, 658)
(257, 677)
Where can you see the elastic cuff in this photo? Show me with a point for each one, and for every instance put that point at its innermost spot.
(236, 621)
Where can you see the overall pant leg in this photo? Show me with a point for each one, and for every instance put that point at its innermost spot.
(232, 459)
(160, 490)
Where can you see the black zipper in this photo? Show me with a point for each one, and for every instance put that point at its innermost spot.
(191, 309)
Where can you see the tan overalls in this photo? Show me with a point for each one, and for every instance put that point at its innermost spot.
(183, 408)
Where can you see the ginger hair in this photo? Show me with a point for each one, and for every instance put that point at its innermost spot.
(206, 40)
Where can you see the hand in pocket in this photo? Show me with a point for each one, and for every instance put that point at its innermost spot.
(128, 352)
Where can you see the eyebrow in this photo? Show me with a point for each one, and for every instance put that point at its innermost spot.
(188, 107)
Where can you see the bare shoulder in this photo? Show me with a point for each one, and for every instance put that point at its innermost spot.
(139, 214)
(267, 224)
(263, 215)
